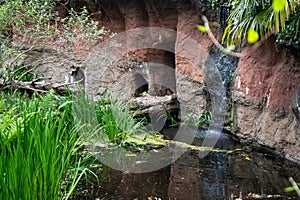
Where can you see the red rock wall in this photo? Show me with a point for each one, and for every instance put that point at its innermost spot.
(266, 80)
(269, 71)
(180, 16)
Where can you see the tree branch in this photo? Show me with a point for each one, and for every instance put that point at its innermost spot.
(40, 87)
(215, 41)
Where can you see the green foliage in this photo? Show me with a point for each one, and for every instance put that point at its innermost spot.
(290, 36)
(106, 120)
(215, 4)
(39, 149)
(8, 116)
(172, 120)
(116, 120)
(23, 73)
(33, 19)
(78, 27)
(16, 72)
(204, 119)
(143, 94)
(7, 12)
(263, 17)
(294, 187)
(33, 22)
(290, 189)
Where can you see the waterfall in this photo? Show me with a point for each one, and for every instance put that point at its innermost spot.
(218, 76)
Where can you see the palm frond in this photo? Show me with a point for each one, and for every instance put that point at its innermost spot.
(258, 15)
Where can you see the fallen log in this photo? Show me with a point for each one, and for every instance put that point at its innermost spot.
(38, 86)
(150, 104)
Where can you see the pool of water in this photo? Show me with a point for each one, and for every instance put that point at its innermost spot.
(230, 172)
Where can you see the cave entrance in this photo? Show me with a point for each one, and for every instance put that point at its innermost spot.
(141, 85)
(157, 76)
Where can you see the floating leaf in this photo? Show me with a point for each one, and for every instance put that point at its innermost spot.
(252, 36)
(278, 5)
(201, 28)
(130, 155)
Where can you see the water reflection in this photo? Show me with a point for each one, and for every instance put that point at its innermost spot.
(230, 173)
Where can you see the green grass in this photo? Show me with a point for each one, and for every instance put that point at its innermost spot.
(107, 120)
(117, 120)
(41, 141)
(39, 148)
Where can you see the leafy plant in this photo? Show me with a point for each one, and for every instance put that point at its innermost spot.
(216, 3)
(23, 73)
(7, 12)
(39, 151)
(80, 26)
(32, 23)
(257, 18)
(173, 121)
(204, 119)
(110, 120)
(290, 36)
(116, 120)
(8, 117)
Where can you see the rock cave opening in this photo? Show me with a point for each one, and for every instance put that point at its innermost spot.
(141, 84)
(157, 76)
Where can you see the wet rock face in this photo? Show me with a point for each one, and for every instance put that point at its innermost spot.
(266, 96)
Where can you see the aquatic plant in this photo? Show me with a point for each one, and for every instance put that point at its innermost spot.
(38, 149)
(204, 119)
(116, 119)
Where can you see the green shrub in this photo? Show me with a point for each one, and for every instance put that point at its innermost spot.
(33, 23)
(290, 36)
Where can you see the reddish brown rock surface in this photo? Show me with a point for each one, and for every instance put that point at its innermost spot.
(267, 78)
(187, 50)
(269, 71)
(180, 16)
